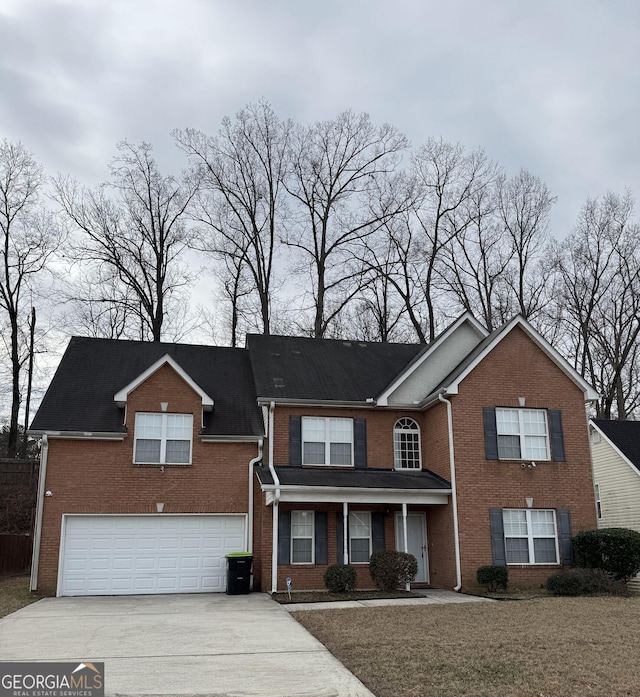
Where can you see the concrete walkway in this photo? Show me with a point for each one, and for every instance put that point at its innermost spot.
(429, 597)
(201, 644)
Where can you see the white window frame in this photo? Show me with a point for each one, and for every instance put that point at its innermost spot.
(303, 537)
(524, 455)
(359, 537)
(327, 420)
(163, 439)
(530, 537)
(397, 446)
(596, 488)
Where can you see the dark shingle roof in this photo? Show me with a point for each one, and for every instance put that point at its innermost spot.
(361, 478)
(80, 396)
(625, 435)
(290, 367)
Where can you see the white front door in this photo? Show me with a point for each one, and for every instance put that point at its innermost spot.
(417, 542)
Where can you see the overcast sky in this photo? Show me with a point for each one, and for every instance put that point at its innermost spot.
(549, 85)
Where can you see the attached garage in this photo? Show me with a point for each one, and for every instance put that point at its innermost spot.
(146, 554)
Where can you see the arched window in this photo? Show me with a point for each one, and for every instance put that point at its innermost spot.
(406, 445)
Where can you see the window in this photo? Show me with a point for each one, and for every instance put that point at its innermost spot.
(302, 535)
(598, 502)
(163, 439)
(522, 434)
(530, 536)
(327, 441)
(359, 537)
(406, 445)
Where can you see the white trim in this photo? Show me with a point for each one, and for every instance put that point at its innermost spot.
(383, 398)
(531, 537)
(164, 439)
(327, 440)
(79, 435)
(326, 494)
(65, 516)
(519, 321)
(351, 537)
(401, 530)
(230, 439)
(615, 447)
(312, 537)
(522, 436)
(398, 431)
(42, 476)
(120, 398)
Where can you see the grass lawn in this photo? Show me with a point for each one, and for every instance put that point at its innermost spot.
(14, 594)
(544, 647)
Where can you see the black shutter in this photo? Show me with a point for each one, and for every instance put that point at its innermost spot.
(497, 537)
(321, 538)
(360, 442)
(490, 433)
(564, 532)
(339, 538)
(557, 437)
(377, 531)
(284, 538)
(295, 440)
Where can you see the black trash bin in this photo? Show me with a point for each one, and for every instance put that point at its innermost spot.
(239, 573)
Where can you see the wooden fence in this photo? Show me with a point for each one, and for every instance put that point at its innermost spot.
(15, 554)
(23, 472)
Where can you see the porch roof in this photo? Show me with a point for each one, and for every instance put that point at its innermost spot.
(320, 485)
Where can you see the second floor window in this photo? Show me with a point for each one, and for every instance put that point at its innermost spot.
(163, 439)
(522, 434)
(327, 441)
(406, 445)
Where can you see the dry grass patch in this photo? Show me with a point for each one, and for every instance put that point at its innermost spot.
(569, 647)
(15, 593)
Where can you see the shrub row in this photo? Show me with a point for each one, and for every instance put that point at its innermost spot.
(389, 570)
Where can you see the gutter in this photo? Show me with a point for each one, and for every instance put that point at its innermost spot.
(35, 557)
(276, 482)
(454, 494)
(252, 462)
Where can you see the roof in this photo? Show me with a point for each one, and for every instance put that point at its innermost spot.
(288, 367)
(371, 478)
(80, 397)
(625, 435)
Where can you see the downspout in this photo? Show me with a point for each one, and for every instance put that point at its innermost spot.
(252, 462)
(276, 501)
(454, 493)
(35, 558)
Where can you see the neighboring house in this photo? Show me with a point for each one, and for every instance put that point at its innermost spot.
(160, 458)
(615, 451)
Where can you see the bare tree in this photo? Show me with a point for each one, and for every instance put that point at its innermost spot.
(241, 205)
(524, 205)
(133, 232)
(600, 269)
(29, 236)
(339, 187)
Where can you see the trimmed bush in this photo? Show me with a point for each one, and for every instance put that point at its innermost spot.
(390, 570)
(580, 581)
(340, 578)
(493, 577)
(616, 550)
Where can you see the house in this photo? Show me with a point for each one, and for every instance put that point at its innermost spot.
(615, 451)
(160, 458)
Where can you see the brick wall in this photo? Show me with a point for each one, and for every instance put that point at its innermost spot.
(483, 484)
(89, 476)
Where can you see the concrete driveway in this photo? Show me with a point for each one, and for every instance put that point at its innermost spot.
(202, 644)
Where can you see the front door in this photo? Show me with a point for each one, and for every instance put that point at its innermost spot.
(417, 542)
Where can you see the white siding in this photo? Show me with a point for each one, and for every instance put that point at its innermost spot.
(619, 485)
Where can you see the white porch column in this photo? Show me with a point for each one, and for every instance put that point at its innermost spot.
(406, 539)
(274, 549)
(345, 532)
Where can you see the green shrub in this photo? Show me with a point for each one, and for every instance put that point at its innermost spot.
(493, 577)
(616, 550)
(340, 578)
(390, 570)
(579, 581)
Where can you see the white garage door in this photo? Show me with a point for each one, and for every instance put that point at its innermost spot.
(143, 554)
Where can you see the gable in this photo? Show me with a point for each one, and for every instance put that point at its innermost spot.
(121, 396)
(436, 361)
(622, 437)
